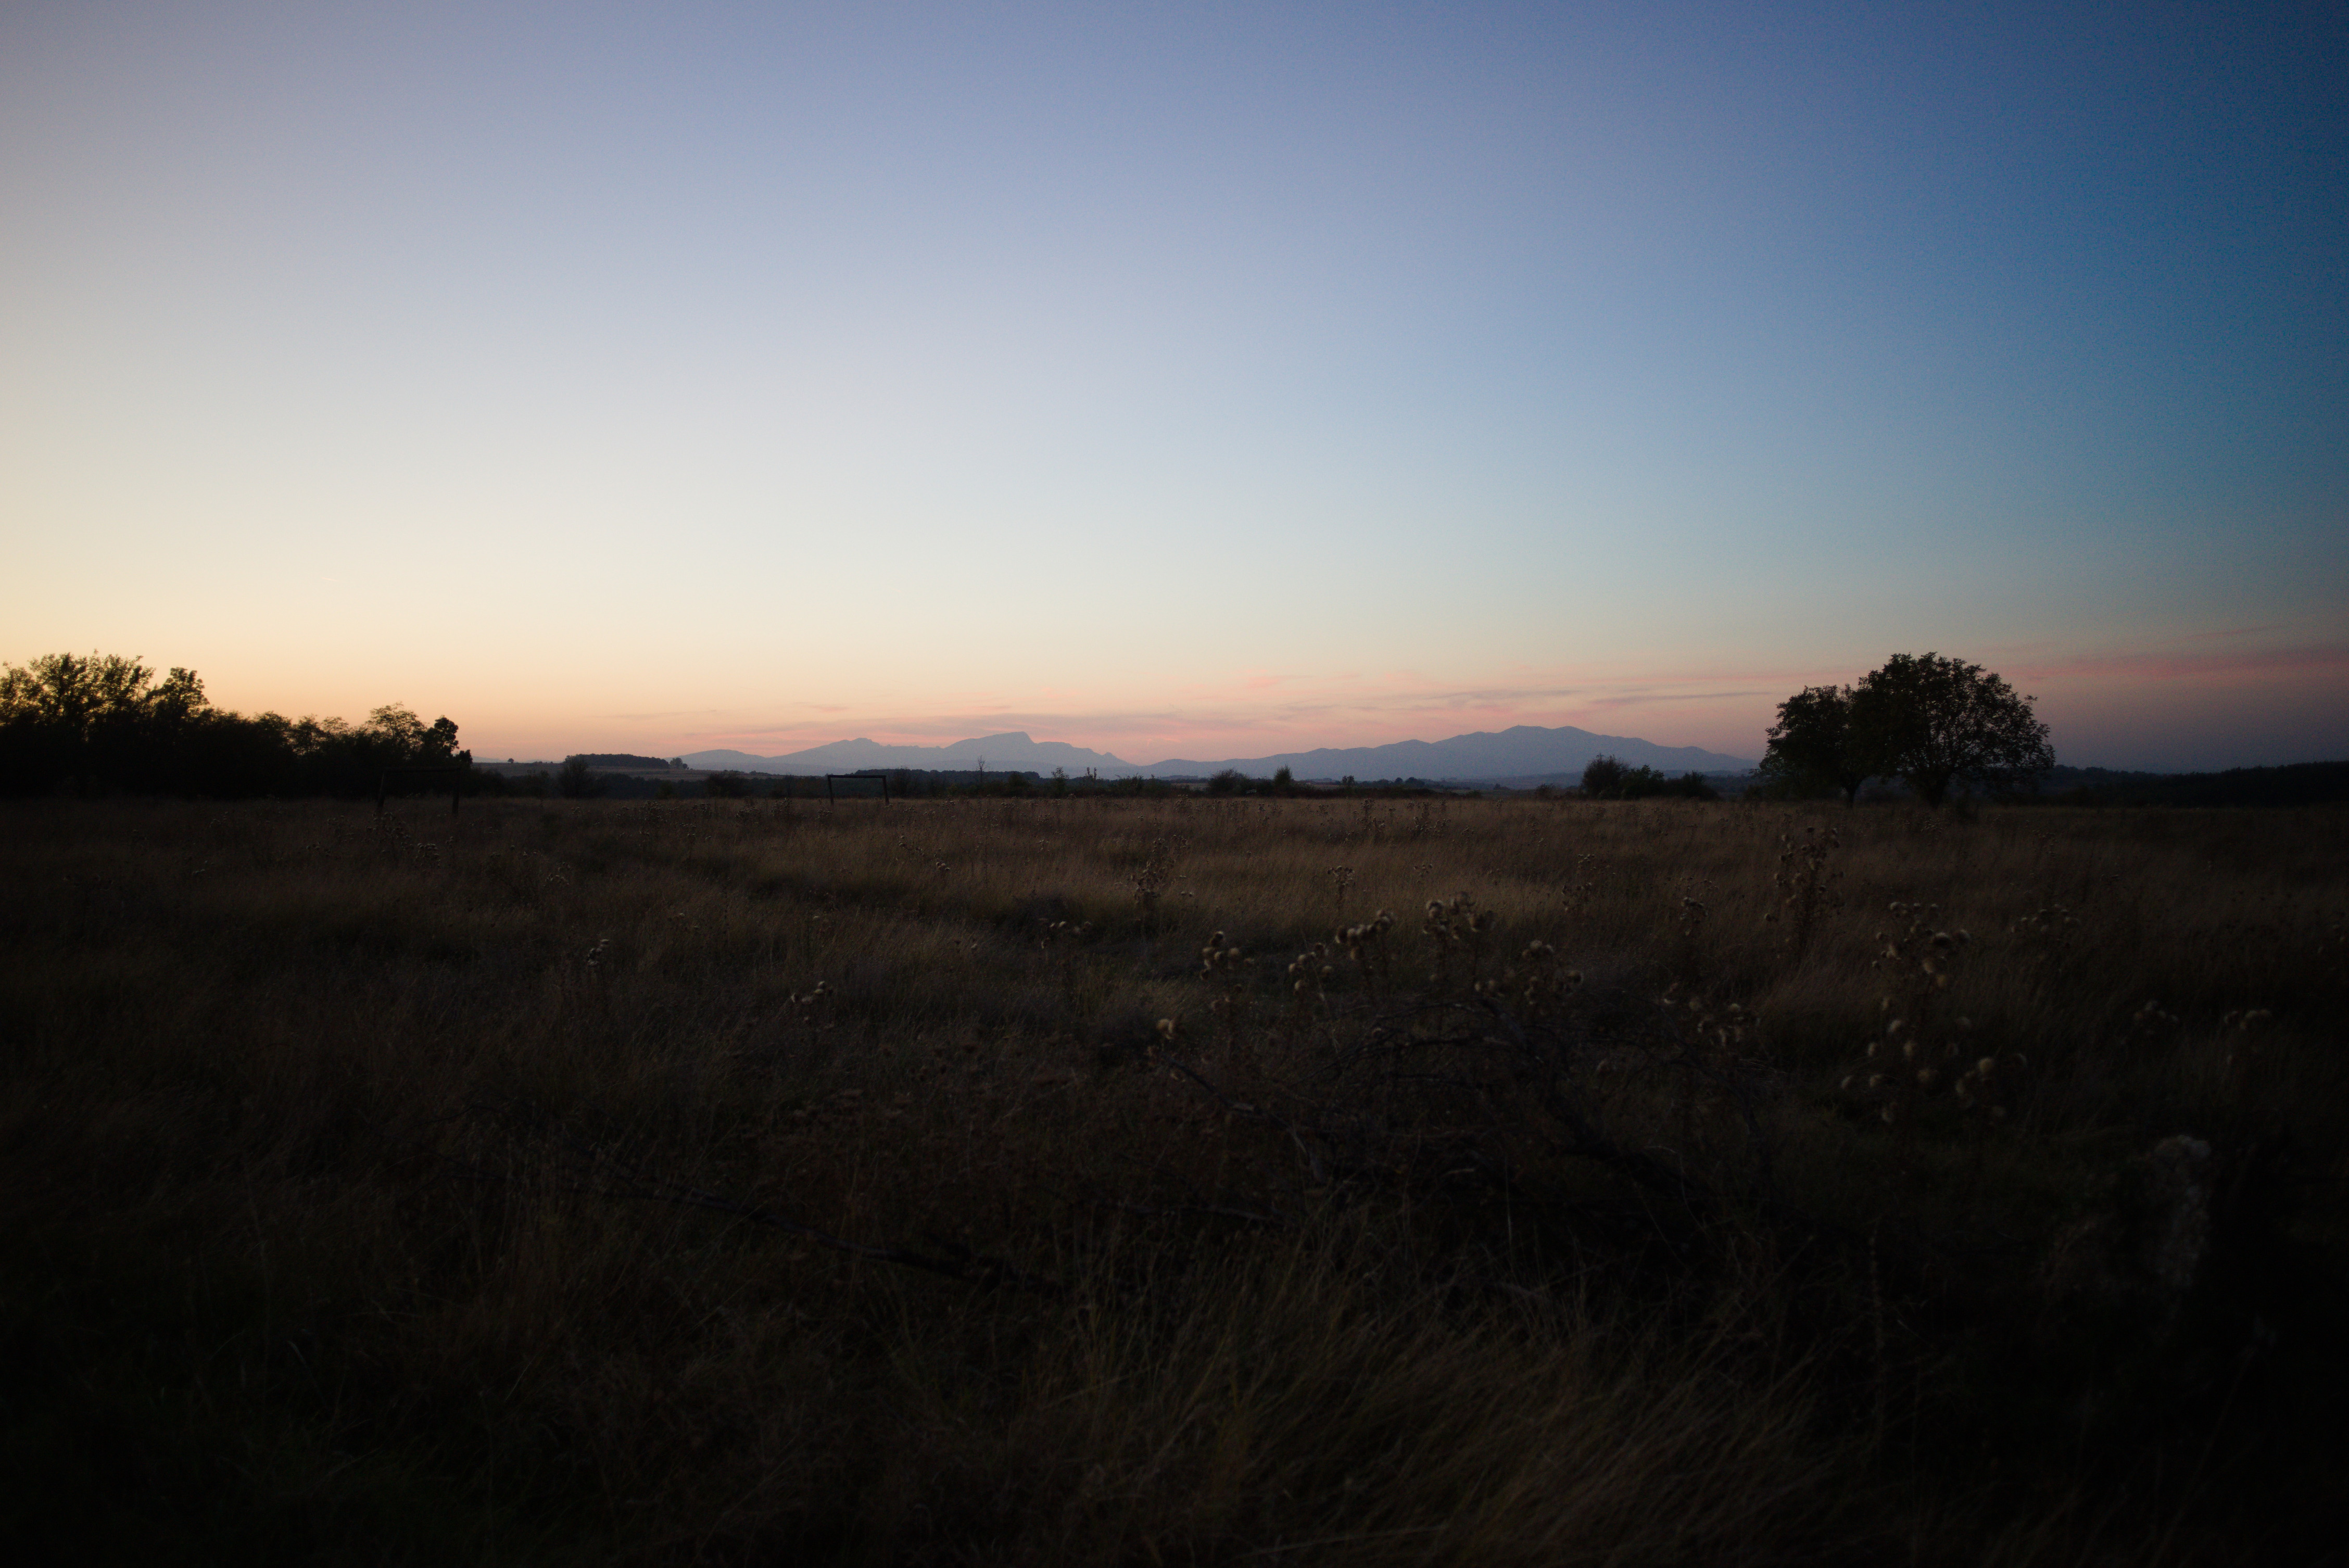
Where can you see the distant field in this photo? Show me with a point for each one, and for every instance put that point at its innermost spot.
(1380, 1181)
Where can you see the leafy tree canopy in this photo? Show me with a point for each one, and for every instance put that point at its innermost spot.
(1813, 748)
(103, 723)
(1928, 720)
(73, 693)
(1936, 721)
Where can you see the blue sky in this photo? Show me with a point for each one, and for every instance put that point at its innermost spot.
(1197, 380)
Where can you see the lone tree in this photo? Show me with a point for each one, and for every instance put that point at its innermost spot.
(1814, 748)
(1934, 721)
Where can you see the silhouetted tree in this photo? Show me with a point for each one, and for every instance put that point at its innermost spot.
(1936, 721)
(105, 723)
(1608, 778)
(1603, 779)
(98, 722)
(1813, 748)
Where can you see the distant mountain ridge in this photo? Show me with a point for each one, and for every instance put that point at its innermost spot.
(1522, 751)
(1012, 749)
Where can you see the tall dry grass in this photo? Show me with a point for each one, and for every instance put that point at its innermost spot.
(719, 1182)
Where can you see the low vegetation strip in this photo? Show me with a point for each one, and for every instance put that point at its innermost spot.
(2293, 784)
(1203, 1179)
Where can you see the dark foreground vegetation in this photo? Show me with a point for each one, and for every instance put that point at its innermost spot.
(1093, 1180)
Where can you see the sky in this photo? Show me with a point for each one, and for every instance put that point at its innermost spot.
(1183, 379)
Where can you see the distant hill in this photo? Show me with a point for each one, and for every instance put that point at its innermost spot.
(1524, 751)
(1006, 751)
(624, 759)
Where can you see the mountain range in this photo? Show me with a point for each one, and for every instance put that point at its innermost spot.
(1523, 754)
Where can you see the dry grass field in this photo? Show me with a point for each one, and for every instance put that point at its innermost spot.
(1050, 1180)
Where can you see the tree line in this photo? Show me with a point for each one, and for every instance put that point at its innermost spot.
(102, 723)
(1612, 779)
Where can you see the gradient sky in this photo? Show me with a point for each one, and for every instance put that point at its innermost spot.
(1185, 380)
